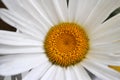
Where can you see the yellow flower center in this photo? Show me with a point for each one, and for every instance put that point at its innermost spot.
(66, 44)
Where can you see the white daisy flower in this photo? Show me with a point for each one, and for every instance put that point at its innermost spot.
(60, 42)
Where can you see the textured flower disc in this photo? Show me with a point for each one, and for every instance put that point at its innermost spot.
(66, 44)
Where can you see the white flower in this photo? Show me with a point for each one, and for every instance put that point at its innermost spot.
(78, 40)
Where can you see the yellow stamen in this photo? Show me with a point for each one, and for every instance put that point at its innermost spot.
(66, 44)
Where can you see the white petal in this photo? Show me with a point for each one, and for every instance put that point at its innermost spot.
(16, 7)
(79, 10)
(81, 73)
(7, 78)
(20, 49)
(110, 37)
(109, 25)
(73, 73)
(97, 51)
(49, 9)
(61, 9)
(107, 32)
(100, 70)
(14, 64)
(56, 10)
(60, 74)
(38, 7)
(29, 7)
(17, 39)
(13, 5)
(96, 78)
(72, 7)
(12, 43)
(112, 44)
(50, 74)
(16, 21)
(113, 47)
(68, 75)
(101, 11)
(25, 73)
(109, 59)
(37, 72)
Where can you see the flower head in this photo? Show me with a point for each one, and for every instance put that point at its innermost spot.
(57, 41)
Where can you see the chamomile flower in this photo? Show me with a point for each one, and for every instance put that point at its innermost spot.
(57, 41)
